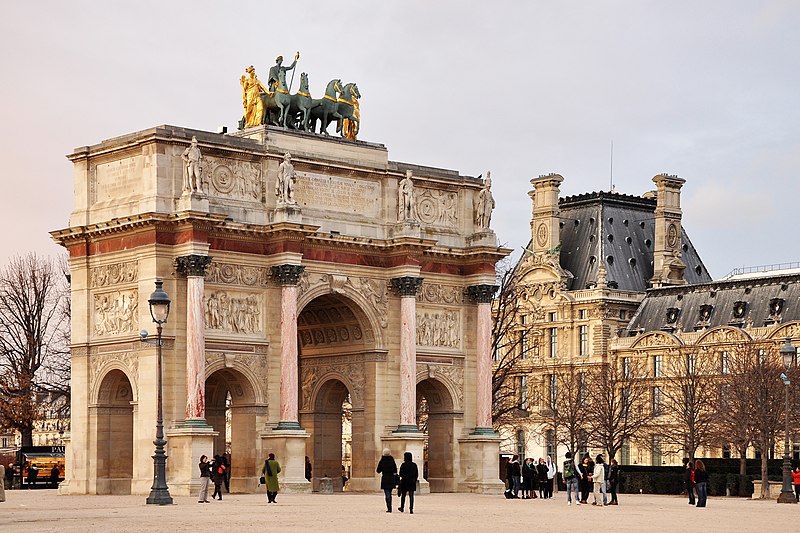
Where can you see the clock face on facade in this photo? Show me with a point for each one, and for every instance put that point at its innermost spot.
(672, 236)
(541, 234)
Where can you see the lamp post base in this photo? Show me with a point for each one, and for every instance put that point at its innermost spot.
(159, 497)
(787, 497)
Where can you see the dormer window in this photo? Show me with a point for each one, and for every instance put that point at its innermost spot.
(739, 309)
(775, 307)
(672, 314)
(705, 312)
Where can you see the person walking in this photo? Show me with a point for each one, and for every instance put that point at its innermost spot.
(688, 478)
(528, 476)
(796, 481)
(387, 468)
(55, 473)
(599, 481)
(270, 471)
(541, 477)
(205, 477)
(218, 471)
(571, 478)
(551, 474)
(701, 482)
(409, 473)
(613, 480)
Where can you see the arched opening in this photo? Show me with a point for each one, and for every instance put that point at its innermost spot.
(113, 421)
(437, 419)
(331, 330)
(231, 410)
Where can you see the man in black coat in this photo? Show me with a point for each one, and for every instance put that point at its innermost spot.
(409, 473)
(387, 468)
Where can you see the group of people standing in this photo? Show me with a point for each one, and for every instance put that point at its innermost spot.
(405, 479)
(216, 471)
(587, 476)
(531, 477)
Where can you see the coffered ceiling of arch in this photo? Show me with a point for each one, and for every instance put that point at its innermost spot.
(328, 322)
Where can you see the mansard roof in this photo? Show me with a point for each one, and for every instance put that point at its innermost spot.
(619, 230)
(740, 302)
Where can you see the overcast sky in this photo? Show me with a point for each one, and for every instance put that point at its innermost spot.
(706, 90)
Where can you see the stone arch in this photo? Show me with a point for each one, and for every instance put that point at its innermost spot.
(102, 374)
(248, 374)
(324, 422)
(372, 319)
(656, 339)
(790, 329)
(441, 423)
(112, 419)
(724, 334)
(230, 392)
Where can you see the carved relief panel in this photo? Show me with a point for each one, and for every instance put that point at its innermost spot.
(439, 328)
(436, 293)
(230, 178)
(115, 312)
(116, 274)
(233, 312)
(316, 371)
(437, 208)
(232, 274)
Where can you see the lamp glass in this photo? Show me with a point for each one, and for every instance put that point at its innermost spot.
(788, 353)
(159, 304)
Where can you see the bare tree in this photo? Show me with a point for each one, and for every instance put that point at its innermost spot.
(733, 426)
(689, 393)
(33, 347)
(567, 410)
(618, 396)
(510, 346)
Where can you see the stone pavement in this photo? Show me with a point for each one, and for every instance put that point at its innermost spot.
(44, 511)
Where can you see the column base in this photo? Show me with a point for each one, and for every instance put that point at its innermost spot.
(485, 432)
(289, 447)
(479, 466)
(186, 442)
(407, 428)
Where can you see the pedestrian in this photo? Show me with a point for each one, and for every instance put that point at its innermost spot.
(613, 480)
(541, 478)
(227, 459)
(688, 478)
(528, 476)
(308, 469)
(701, 482)
(571, 478)
(2, 483)
(387, 468)
(10, 476)
(218, 476)
(515, 471)
(205, 477)
(409, 473)
(55, 473)
(796, 481)
(551, 474)
(586, 469)
(270, 471)
(33, 475)
(599, 481)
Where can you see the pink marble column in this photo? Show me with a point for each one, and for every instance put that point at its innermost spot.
(288, 276)
(193, 267)
(407, 288)
(482, 295)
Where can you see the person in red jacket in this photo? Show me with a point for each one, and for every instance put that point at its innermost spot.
(796, 481)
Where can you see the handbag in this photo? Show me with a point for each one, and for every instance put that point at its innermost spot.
(262, 481)
(397, 480)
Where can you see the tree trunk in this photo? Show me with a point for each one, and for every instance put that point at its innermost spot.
(764, 470)
(742, 465)
(27, 437)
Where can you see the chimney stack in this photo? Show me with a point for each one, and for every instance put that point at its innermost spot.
(668, 265)
(545, 231)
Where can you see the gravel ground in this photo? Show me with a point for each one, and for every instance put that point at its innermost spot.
(44, 511)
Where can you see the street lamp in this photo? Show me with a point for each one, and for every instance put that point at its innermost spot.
(159, 310)
(789, 356)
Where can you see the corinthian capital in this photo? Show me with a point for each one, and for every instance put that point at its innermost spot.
(192, 265)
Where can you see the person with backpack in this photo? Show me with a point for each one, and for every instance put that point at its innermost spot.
(218, 471)
(571, 478)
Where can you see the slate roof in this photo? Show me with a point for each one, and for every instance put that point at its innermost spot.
(753, 297)
(619, 230)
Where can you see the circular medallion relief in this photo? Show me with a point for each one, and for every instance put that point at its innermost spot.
(541, 234)
(223, 180)
(672, 236)
(426, 210)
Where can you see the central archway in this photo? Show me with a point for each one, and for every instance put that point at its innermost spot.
(335, 339)
(231, 410)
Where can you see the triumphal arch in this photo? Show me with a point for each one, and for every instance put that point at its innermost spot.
(304, 273)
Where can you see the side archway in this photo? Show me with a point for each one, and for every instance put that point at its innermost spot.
(113, 422)
(441, 423)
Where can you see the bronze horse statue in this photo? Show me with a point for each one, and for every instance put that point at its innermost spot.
(346, 107)
(326, 108)
(300, 107)
(278, 101)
